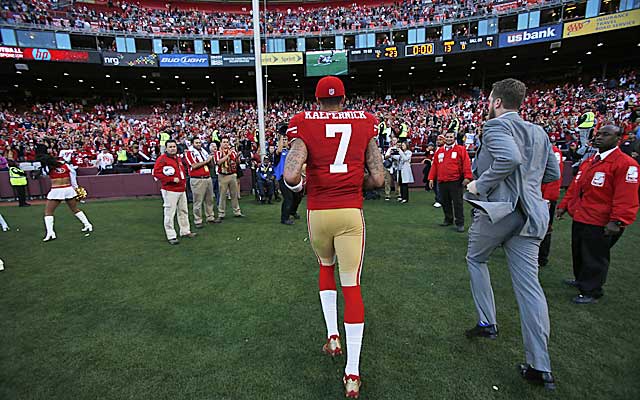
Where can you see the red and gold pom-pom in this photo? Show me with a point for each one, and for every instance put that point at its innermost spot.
(81, 193)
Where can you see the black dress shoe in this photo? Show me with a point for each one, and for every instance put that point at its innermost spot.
(446, 224)
(584, 299)
(489, 332)
(460, 229)
(538, 377)
(570, 282)
(287, 222)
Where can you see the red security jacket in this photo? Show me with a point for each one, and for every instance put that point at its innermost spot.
(551, 190)
(452, 165)
(604, 191)
(166, 169)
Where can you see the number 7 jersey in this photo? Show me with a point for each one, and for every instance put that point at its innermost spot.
(336, 145)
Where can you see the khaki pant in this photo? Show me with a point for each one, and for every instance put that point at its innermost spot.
(339, 234)
(175, 202)
(202, 190)
(228, 185)
(388, 178)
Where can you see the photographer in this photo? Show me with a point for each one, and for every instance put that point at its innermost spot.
(405, 175)
(391, 167)
(265, 180)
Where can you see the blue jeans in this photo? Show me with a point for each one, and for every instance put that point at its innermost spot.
(216, 187)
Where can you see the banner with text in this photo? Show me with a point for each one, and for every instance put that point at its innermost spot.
(182, 60)
(112, 59)
(604, 23)
(529, 36)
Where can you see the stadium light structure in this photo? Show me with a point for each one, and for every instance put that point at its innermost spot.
(258, 63)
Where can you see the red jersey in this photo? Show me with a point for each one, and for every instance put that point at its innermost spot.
(551, 190)
(604, 191)
(450, 165)
(336, 145)
(60, 172)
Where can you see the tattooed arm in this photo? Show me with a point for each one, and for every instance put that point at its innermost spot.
(293, 165)
(375, 178)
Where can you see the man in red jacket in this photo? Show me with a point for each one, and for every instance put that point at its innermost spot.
(551, 193)
(603, 200)
(451, 166)
(170, 171)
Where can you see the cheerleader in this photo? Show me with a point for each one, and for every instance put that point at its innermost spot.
(63, 185)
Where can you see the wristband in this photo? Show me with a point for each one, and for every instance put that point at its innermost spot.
(297, 188)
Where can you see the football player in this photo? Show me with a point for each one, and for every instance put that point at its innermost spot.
(336, 145)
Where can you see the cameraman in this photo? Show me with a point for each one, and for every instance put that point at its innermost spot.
(391, 168)
(265, 181)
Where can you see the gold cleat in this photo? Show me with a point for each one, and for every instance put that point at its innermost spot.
(351, 386)
(333, 347)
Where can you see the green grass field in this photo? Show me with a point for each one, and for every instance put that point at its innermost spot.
(235, 314)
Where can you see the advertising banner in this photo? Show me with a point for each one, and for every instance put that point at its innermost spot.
(290, 58)
(55, 55)
(111, 59)
(184, 60)
(604, 23)
(11, 52)
(233, 60)
(534, 35)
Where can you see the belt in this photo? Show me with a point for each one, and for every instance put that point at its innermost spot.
(200, 177)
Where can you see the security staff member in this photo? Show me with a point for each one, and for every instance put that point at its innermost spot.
(265, 180)
(215, 137)
(18, 180)
(451, 166)
(164, 136)
(585, 126)
(121, 156)
(404, 132)
(550, 193)
(603, 200)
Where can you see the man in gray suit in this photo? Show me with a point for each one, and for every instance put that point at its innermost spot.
(513, 160)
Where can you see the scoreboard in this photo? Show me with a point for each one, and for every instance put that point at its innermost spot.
(469, 44)
(376, 53)
(420, 49)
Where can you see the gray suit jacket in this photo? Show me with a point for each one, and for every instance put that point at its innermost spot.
(514, 158)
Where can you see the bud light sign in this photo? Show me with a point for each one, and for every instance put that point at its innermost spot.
(534, 35)
(181, 60)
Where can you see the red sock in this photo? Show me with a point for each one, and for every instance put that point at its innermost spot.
(327, 279)
(353, 305)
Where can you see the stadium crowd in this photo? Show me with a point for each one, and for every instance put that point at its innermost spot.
(133, 17)
(80, 132)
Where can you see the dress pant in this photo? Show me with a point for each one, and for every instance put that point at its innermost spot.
(21, 191)
(545, 246)
(175, 203)
(521, 253)
(591, 251)
(228, 184)
(451, 196)
(216, 187)
(404, 189)
(202, 189)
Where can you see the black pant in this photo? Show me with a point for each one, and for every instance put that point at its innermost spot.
(21, 191)
(290, 201)
(545, 246)
(590, 249)
(451, 196)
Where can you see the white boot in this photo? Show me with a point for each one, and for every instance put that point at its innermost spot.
(3, 224)
(48, 223)
(85, 221)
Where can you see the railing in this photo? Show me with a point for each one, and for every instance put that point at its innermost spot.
(143, 35)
